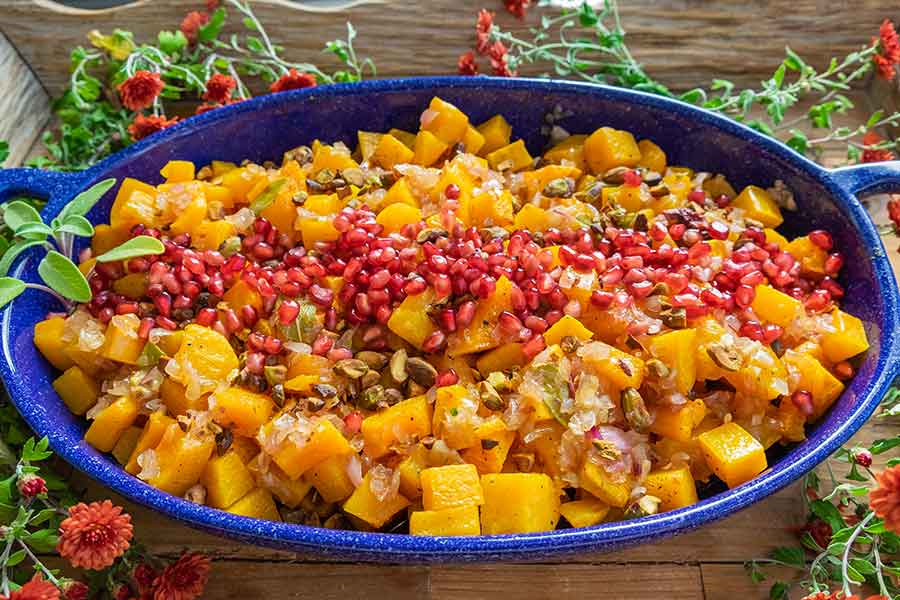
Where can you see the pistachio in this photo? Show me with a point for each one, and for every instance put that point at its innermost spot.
(223, 441)
(370, 379)
(324, 177)
(651, 177)
(595, 191)
(489, 444)
(660, 289)
(205, 173)
(398, 366)
(392, 396)
(431, 234)
(492, 233)
(196, 494)
(278, 394)
(674, 318)
(640, 222)
(275, 374)
(635, 411)
(299, 199)
(724, 356)
(633, 343)
(561, 187)
(351, 368)
(302, 154)
(370, 398)
(324, 390)
(659, 190)
(354, 176)
(413, 389)
(606, 449)
(569, 344)
(489, 396)
(314, 404)
(657, 368)
(375, 360)
(524, 461)
(421, 372)
(615, 176)
(498, 380)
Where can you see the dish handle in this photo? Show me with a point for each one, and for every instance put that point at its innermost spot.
(868, 178)
(53, 186)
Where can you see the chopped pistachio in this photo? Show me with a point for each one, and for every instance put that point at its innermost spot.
(635, 411)
(726, 357)
(421, 371)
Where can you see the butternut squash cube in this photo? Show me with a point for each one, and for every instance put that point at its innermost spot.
(257, 504)
(758, 204)
(762, 377)
(407, 137)
(365, 505)
(491, 209)
(181, 459)
(653, 158)
(674, 487)
(241, 410)
(512, 157)
(331, 480)
(502, 358)
(518, 503)
(48, 337)
(107, 237)
(190, 216)
(676, 350)
(473, 140)
(565, 327)
(597, 482)
(776, 307)
(111, 423)
(171, 342)
(402, 423)
(226, 480)
(135, 203)
(618, 368)
(810, 375)
(451, 486)
(126, 444)
(241, 294)
(204, 359)
(679, 424)
(428, 148)
(178, 171)
(733, 454)
(454, 420)
(410, 469)
(569, 151)
(532, 218)
(607, 148)
(773, 237)
(289, 492)
(394, 216)
(847, 340)
(324, 442)
(410, 319)
(490, 453)
(245, 447)
(330, 157)
(77, 389)
(133, 285)
(447, 122)
(390, 151)
(316, 229)
(367, 141)
(496, 131)
(152, 433)
(240, 181)
(122, 343)
(459, 520)
(175, 398)
(479, 334)
(282, 212)
(584, 513)
(400, 193)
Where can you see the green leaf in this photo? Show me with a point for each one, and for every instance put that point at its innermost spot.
(150, 355)
(18, 213)
(829, 513)
(76, 225)
(211, 29)
(779, 591)
(4, 151)
(790, 555)
(693, 96)
(778, 77)
(10, 289)
(13, 252)
(171, 43)
(881, 446)
(793, 60)
(15, 558)
(250, 24)
(267, 197)
(41, 541)
(63, 276)
(254, 44)
(85, 201)
(141, 245)
(798, 141)
(34, 231)
(876, 116)
(862, 566)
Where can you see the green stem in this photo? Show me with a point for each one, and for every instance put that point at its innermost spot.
(879, 566)
(47, 573)
(845, 561)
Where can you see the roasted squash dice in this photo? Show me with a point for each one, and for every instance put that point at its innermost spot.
(612, 365)
(241, 294)
(402, 423)
(810, 375)
(607, 148)
(518, 503)
(773, 237)
(676, 350)
(48, 337)
(126, 444)
(122, 343)
(811, 257)
(289, 492)
(733, 454)
(709, 331)
(761, 377)
(674, 487)
(324, 442)
(218, 194)
(679, 424)
(133, 285)
(496, 131)
(107, 237)
(77, 389)
(333, 158)
(491, 208)
(653, 158)
(407, 137)
(323, 204)
(190, 216)
(410, 319)
(584, 513)
(454, 416)
(546, 447)
(532, 218)
(240, 181)
(758, 204)
(569, 151)
(535, 181)
(205, 359)
(460, 520)
(490, 453)
(175, 398)
(473, 140)
(257, 504)
(309, 364)
(282, 212)
(394, 216)
(111, 423)
(390, 151)
(502, 358)
(226, 480)
(181, 459)
(512, 157)
(445, 121)
(847, 340)
(451, 486)
(210, 235)
(410, 469)
(479, 334)
(367, 141)
(316, 229)
(776, 307)
(597, 483)
(428, 148)
(365, 505)
(154, 428)
(331, 480)
(178, 171)
(245, 447)
(400, 193)
(241, 410)
(135, 203)
(568, 326)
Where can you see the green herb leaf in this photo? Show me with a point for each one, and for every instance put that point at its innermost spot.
(4, 151)
(18, 213)
(63, 276)
(828, 512)
(267, 197)
(76, 225)
(10, 288)
(793, 60)
(790, 555)
(33, 231)
(779, 591)
(881, 446)
(141, 245)
(15, 558)
(171, 43)
(85, 201)
(150, 355)
(211, 29)
(876, 116)
(13, 252)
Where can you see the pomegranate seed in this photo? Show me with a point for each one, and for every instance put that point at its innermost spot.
(753, 278)
(834, 263)
(288, 311)
(207, 316)
(817, 301)
(322, 344)
(452, 192)
(336, 354)
(771, 333)
(272, 345)
(145, 327)
(163, 303)
(752, 330)
(230, 321)
(843, 370)
(447, 320)
(442, 285)
(833, 288)
(509, 323)
(803, 400)
(602, 299)
(445, 378)
(127, 308)
(383, 313)
(536, 324)
(744, 295)
(415, 286)
(434, 342)
(164, 322)
(465, 313)
(821, 238)
(255, 341)
(322, 296)
(533, 346)
(698, 196)
(353, 422)
(718, 230)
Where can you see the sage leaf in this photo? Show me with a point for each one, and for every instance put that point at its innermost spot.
(10, 288)
(267, 197)
(141, 245)
(33, 231)
(76, 225)
(18, 213)
(13, 252)
(85, 201)
(63, 276)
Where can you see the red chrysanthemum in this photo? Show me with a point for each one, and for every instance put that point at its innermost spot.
(142, 126)
(212, 5)
(884, 68)
(819, 530)
(885, 499)
(483, 30)
(182, 580)
(219, 88)
(517, 7)
(192, 23)
(871, 154)
(31, 485)
(94, 535)
(499, 56)
(293, 80)
(140, 90)
(75, 590)
(893, 208)
(890, 42)
(36, 589)
(466, 64)
(144, 575)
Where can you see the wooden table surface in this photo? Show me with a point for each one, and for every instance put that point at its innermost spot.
(707, 563)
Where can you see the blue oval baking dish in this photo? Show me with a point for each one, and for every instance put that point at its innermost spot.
(265, 127)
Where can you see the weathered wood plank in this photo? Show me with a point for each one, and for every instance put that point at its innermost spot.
(686, 42)
(727, 582)
(24, 105)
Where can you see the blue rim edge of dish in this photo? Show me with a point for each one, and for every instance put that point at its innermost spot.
(392, 547)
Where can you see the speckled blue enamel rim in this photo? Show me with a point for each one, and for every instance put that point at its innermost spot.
(841, 184)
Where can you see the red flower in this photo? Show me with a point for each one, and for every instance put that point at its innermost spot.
(140, 90)
(94, 535)
(499, 56)
(31, 485)
(820, 531)
(483, 30)
(182, 580)
(192, 23)
(145, 575)
(885, 499)
(890, 43)
(517, 7)
(874, 154)
(293, 81)
(218, 88)
(212, 5)
(142, 126)
(884, 68)
(75, 590)
(893, 207)
(36, 589)
(466, 64)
